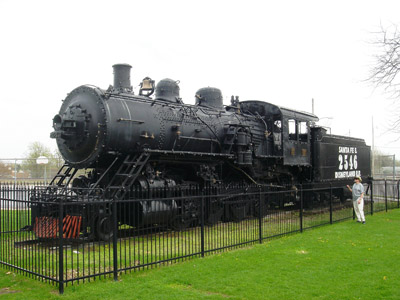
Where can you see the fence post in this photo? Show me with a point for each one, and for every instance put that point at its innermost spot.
(330, 204)
(260, 215)
(386, 204)
(115, 239)
(301, 208)
(60, 248)
(372, 197)
(398, 195)
(202, 220)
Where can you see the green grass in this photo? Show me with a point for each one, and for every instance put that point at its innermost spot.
(344, 261)
(88, 259)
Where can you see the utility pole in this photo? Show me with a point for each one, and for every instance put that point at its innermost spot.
(15, 172)
(312, 105)
(394, 166)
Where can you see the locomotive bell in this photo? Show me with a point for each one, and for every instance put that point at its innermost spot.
(147, 83)
(146, 87)
(209, 97)
(168, 90)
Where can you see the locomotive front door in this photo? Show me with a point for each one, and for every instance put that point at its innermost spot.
(277, 136)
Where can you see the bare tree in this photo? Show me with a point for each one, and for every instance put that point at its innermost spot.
(385, 72)
(386, 69)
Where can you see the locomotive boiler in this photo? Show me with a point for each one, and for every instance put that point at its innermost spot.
(151, 140)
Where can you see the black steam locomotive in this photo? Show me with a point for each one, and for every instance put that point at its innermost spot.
(147, 141)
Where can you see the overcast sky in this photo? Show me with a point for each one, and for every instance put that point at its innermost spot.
(283, 52)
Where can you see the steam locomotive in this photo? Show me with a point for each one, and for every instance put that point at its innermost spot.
(154, 140)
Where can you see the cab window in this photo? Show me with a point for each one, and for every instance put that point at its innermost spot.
(292, 130)
(303, 128)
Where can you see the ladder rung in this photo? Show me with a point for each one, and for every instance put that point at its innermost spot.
(126, 161)
(124, 174)
(130, 163)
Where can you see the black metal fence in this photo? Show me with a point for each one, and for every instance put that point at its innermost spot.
(66, 237)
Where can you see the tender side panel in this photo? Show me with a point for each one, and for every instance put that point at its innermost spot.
(340, 158)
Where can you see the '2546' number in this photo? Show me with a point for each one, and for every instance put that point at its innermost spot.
(347, 162)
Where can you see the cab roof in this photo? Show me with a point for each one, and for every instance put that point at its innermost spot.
(265, 109)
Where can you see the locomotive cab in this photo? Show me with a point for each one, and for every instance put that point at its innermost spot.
(296, 136)
(288, 131)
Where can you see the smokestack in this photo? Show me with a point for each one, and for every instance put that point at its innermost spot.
(122, 77)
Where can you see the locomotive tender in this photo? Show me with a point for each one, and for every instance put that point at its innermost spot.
(149, 141)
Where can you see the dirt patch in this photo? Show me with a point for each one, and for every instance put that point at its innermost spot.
(4, 291)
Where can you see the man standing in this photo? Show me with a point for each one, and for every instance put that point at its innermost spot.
(358, 198)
